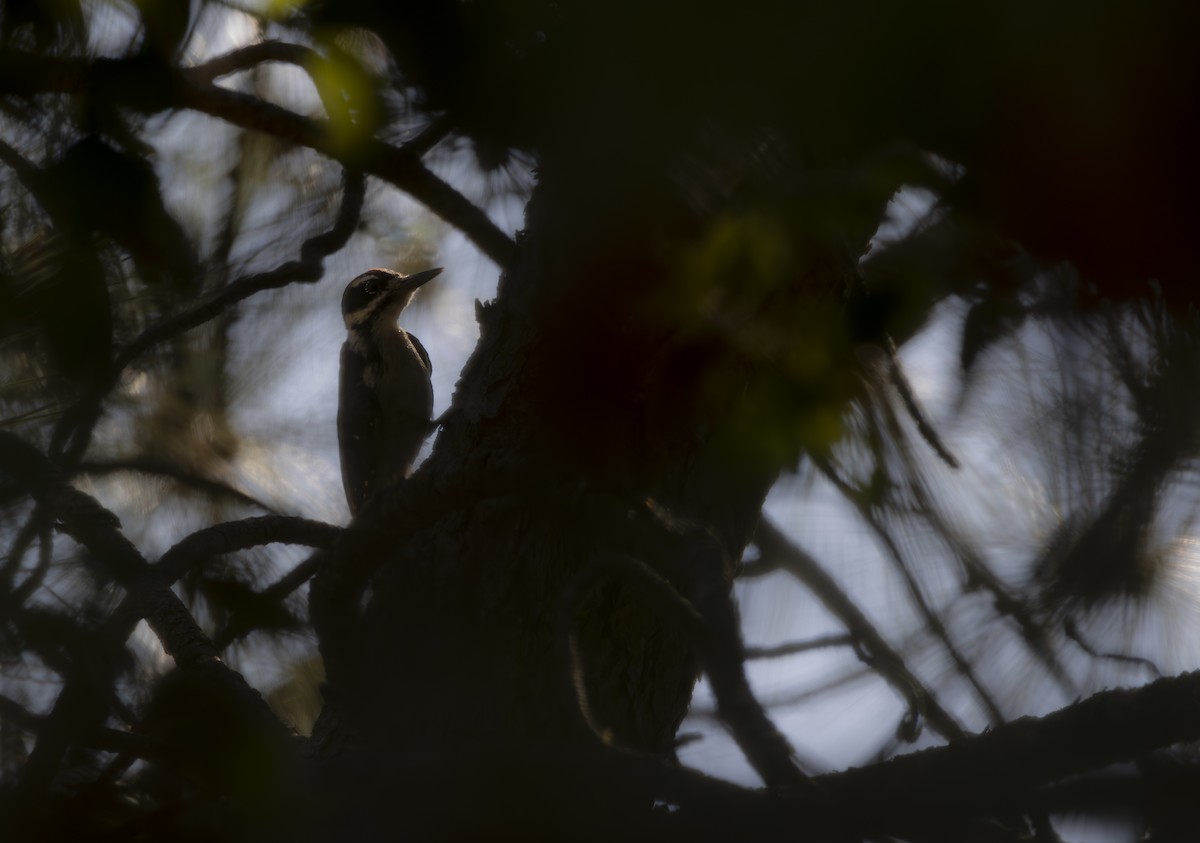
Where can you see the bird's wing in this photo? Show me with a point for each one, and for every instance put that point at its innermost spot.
(358, 422)
(422, 352)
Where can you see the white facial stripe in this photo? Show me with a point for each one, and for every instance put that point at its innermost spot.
(382, 310)
(363, 314)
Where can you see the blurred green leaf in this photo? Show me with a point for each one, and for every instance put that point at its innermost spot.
(350, 95)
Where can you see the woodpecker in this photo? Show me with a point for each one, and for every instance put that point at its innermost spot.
(385, 398)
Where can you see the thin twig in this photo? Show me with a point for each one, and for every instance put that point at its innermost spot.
(903, 386)
(73, 432)
(45, 555)
(251, 55)
(21, 543)
(932, 620)
(1072, 631)
(397, 165)
(976, 571)
(773, 544)
(293, 579)
(96, 528)
(794, 647)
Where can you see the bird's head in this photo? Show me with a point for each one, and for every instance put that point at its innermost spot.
(380, 294)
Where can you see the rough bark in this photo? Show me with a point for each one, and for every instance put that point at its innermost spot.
(592, 423)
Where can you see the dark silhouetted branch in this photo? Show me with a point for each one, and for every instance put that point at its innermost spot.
(1033, 631)
(932, 620)
(108, 740)
(26, 171)
(794, 647)
(903, 386)
(29, 73)
(776, 547)
(250, 56)
(73, 432)
(396, 165)
(16, 552)
(45, 555)
(80, 516)
(1071, 630)
(293, 579)
(245, 58)
(239, 535)
(1000, 771)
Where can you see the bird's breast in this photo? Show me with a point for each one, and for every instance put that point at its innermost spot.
(402, 377)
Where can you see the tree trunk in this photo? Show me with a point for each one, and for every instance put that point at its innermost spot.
(594, 424)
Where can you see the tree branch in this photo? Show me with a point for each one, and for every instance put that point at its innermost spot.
(794, 647)
(932, 620)
(45, 556)
(73, 432)
(1000, 770)
(398, 165)
(29, 73)
(109, 740)
(249, 56)
(240, 535)
(85, 520)
(777, 548)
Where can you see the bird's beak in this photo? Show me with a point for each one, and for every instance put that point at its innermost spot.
(411, 282)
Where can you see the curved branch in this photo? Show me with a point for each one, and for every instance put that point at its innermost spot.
(73, 432)
(29, 73)
(1071, 630)
(80, 516)
(305, 270)
(240, 535)
(400, 166)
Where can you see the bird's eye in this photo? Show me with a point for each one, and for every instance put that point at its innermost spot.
(371, 287)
